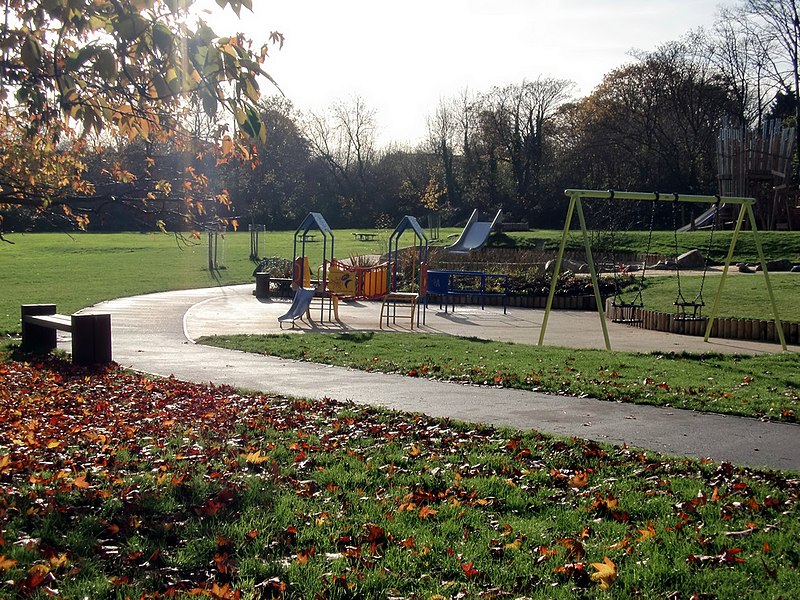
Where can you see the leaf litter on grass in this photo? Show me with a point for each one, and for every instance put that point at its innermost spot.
(122, 484)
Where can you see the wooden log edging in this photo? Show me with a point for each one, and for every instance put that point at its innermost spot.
(723, 327)
(559, 302)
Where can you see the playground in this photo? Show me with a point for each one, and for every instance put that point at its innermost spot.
(237, 311)
(406, 284)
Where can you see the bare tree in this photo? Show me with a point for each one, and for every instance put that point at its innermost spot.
(344, 140)
(441, 142)
(516, 118)
(741, 59)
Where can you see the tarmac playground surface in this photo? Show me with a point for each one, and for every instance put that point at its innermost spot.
(155, 334)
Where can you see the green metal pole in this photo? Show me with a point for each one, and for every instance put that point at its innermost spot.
(728, 259)
(595, 281)
(557, 268)
(778, 324)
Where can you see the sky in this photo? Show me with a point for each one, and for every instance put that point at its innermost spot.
(403, 58)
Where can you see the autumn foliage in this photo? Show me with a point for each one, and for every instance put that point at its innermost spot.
(146, 488)
(80, 76)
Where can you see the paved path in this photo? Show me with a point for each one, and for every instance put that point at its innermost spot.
(154, 334)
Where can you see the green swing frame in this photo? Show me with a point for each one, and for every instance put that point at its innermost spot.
(576, 206)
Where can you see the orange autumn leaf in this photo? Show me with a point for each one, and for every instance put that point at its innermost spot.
(580, 479)
(575, 550)
(647, 533)
(304, 557)
(605, 573)
(426, 512)
(469, 570)
(6, 563)
(58, 561)
(623, 543)
(81, 482)
(5, 462)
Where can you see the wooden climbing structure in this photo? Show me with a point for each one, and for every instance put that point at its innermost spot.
(757, 164)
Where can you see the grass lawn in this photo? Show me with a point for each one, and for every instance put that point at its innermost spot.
(743, 296)
(115, 485)
(776, 244)
(119, 486)
(765, 386)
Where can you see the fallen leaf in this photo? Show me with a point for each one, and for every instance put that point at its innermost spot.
(256, 458)
(580, 479)
(469, 570)
(606, 573)
(426, 512)
(647, 533)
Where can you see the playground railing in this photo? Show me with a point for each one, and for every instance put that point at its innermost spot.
(449, 285)
(370, 282)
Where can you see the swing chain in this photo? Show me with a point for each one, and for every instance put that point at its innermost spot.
(708, 250)
(680, 301)
(629, 314)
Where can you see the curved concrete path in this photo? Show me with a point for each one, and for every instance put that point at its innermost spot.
(154, 334)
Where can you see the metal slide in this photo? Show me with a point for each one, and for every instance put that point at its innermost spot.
(702, 220)
(300, 303)
(475, 233)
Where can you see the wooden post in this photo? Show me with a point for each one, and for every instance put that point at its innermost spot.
(34, 338)
(262, 285)
(91, 339)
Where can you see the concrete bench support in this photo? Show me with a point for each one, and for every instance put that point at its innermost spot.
(91, 334)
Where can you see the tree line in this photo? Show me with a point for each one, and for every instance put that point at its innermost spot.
(650, 125)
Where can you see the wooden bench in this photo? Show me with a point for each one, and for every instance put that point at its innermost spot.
(91, 334)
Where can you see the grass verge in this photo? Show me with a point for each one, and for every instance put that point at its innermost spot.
(115, 485)
(765, 386)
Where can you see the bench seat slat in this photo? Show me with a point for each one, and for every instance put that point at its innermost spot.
(61, 322)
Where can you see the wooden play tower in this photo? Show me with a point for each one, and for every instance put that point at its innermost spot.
(758, 164)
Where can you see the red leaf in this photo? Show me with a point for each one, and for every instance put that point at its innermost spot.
(408, 543)
(469, 570)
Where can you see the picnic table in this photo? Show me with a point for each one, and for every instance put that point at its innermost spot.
(365, 237)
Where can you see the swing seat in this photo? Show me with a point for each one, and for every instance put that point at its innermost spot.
(683, 314)
(628, 314)
(620, 304)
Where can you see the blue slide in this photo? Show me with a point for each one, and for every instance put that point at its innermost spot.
(300, 303)
(475, 233)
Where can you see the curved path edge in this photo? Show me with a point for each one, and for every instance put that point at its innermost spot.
(149, 335)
